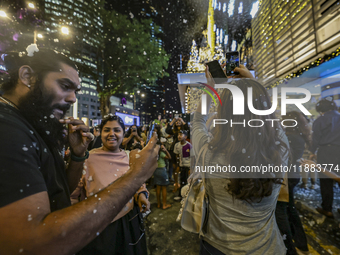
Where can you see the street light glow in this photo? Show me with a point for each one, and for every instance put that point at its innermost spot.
(31, 5)
(125, 93)
(65, 30)
(40, 36)
(3, 14)
(143, 95)
(138, 91)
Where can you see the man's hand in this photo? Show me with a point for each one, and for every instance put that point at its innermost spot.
(145, 159)
(79, 136)
(143, 203)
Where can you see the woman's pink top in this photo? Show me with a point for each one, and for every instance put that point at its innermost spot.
(100, 170)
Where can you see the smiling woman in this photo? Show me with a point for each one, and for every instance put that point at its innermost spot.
(104, 166)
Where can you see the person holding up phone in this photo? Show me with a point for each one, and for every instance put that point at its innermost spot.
(132, 137)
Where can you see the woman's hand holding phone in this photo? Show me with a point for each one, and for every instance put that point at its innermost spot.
(243, 73)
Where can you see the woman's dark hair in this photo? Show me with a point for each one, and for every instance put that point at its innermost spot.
(111, 117)
(128, 133)
(249, 146)
(175, 128)
(42, 63)
(302, 128)
(325, 105)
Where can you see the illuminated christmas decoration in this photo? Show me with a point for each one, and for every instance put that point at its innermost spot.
(240, 8)
(233, 45)
(224, 7)
(226, 40)
(214, 4)
(306, 68)
(221, 35)
(231, 7)
(210, 27)
(254, 9)
(219, 6)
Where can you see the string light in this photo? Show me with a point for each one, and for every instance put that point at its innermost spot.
(255, 7)
(240, 8)
(231, 7)
(315, 63)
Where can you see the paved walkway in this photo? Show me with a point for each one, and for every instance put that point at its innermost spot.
(166, 237)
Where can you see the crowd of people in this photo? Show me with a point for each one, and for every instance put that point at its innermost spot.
(93, 202)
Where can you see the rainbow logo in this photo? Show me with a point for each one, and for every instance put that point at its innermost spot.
(211, 88)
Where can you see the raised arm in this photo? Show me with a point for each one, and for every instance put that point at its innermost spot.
(28, 226)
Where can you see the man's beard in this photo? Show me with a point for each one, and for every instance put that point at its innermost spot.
(37, 110)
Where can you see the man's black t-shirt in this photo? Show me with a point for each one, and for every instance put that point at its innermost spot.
(27, 166)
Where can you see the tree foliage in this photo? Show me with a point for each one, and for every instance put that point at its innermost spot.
(133, 54)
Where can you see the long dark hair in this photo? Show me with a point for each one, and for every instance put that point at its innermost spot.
(302, 128)
(128, 133)
(249, 146)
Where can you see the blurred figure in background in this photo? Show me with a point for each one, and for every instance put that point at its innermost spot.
(326, 141)
(132, 137)
(97, 142)
(287, 217)
(176, 125)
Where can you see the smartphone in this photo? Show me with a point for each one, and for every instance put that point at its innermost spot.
(176, 116)
(232, 61)
(216, 71)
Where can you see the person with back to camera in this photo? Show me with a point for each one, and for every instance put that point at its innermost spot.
(287, 217)
(326, 141)
(240, 217)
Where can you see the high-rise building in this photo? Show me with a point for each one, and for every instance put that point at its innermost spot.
(74, 27)
(288, 35)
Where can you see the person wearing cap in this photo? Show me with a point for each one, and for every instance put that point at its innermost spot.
(182, 150)
(326, 141)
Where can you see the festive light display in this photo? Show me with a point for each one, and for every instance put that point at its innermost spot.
(240, 8)
(255, 7)
(306, 68)
(210, 26)
(231, 7)
(224, 7)
(233, 45)
(226, 39)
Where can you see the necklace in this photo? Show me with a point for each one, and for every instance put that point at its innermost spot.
(7, 101)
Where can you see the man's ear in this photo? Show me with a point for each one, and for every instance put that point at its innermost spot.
(25, 75)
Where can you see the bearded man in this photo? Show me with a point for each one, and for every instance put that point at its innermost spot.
(35, 209)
